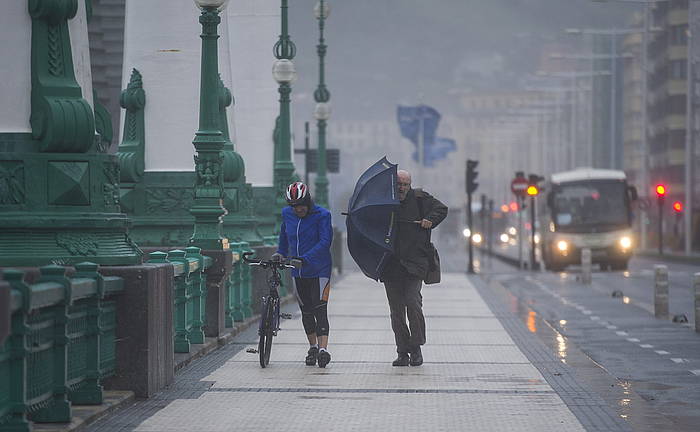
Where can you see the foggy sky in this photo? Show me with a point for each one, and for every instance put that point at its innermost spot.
(385, 52)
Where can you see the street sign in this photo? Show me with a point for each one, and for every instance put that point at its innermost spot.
(519, 186)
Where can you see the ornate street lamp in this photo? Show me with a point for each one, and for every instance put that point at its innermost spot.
(323, 109)
(208, 209)
(284, 73)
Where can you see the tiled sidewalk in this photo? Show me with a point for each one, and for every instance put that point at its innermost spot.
(475, 378)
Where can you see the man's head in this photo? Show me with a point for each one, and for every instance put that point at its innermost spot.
(299, 198)
(404, 183)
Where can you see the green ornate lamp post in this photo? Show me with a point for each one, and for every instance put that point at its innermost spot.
(208, 209)
(284, 72)
(323, 109)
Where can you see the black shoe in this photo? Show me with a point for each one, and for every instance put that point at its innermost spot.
(324, 357)
(401, 360)
(416, 357)
(311, 356)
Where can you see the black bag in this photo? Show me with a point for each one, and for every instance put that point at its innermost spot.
(433, 274)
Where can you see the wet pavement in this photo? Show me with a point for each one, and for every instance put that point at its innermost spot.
(485, 370)
(647, 369)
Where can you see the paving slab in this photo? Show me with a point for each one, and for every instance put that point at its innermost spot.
(475, 376)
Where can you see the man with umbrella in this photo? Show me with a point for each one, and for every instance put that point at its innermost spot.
(403, 274)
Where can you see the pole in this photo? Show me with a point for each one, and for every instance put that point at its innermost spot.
(693, 18)
(521, 238)
(661, 291)
(661, 226)
(532, 232)
(321, 95)
(490, 230)
(470, 268)
(645, 146)
(613, 101)
(306, 152)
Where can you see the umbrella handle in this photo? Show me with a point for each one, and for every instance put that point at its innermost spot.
(343, 213)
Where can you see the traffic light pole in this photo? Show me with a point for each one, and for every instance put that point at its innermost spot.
(470, 268)
(660, 201)
(532, 229)
(521, 238)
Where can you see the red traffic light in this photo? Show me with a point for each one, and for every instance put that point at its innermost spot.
(678, 206)
(660, 190)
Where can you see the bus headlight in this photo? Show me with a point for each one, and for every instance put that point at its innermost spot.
(625, 242)
(476, 238)
(504, 238)
(563, 246)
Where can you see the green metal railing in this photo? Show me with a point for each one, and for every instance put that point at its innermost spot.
(61, 344)
(189, 313)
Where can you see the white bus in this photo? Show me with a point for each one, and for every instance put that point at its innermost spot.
(587, 208)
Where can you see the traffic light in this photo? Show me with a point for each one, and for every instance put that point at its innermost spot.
(678, 207)
(311, 160)
(472, 174)
(333, 160)
(532, 189)
(660, 192)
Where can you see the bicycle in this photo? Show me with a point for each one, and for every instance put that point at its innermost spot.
(270, 308)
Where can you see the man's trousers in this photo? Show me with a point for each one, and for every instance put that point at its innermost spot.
(406, 301)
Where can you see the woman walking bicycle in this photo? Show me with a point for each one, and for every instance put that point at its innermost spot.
(306, 233)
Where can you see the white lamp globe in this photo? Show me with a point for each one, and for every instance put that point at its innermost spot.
(284, 72)
(326, 10)
(322, 111)
(218, 4)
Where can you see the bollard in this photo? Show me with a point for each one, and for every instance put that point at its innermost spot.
(696, 285)
(661, 291)
(586, 266)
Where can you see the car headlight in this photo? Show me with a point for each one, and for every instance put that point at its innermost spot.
(504, 238)
(562, 245)
(476, 238)
(625, 242)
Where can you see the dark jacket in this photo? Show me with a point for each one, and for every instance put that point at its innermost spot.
(412, 242)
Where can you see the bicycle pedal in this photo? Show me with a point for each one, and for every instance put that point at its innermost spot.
(251, 351)
(285, 315)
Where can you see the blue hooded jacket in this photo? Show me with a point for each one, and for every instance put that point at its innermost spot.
(308, 238)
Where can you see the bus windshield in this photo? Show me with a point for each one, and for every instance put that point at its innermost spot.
(590, 206)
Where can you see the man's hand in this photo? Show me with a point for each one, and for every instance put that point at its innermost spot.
(276, 257)
(425, 223)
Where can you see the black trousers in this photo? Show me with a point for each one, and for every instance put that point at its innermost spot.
(406, 301)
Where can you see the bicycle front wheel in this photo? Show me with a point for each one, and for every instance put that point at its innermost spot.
(266, 333)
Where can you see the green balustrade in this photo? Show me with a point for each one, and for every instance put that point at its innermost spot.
(246, 284)
(199, 294)
(234, 301)
(54, 352)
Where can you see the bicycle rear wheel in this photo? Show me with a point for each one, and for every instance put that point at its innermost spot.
(266, 333)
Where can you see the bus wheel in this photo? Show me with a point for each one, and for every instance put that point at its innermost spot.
(618, 265)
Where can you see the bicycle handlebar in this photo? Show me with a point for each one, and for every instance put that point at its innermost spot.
(289, 262)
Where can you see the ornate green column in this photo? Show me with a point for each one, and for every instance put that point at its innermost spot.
(322, 111)
(208, 209)
(59, 193)
(284, 73)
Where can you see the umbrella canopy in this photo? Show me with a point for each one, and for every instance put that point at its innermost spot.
(371, 218)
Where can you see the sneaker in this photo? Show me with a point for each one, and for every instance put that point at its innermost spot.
(401, 360)
(324, 357)
(311, 356)
(416, 357)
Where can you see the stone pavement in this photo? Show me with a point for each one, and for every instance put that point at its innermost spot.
(479, 374)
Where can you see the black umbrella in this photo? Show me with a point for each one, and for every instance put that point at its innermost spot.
(371, 222)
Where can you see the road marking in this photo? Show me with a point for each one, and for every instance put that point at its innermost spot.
(594, 318)
(633, 339)
(679, 360)
(587, 312)
(611, 327)
(621, 333)
(662, 352)
(646, 346)
(695, 372)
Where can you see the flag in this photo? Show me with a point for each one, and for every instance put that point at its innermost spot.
(413, 119)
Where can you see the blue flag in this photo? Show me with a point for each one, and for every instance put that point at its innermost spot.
(413, 120)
